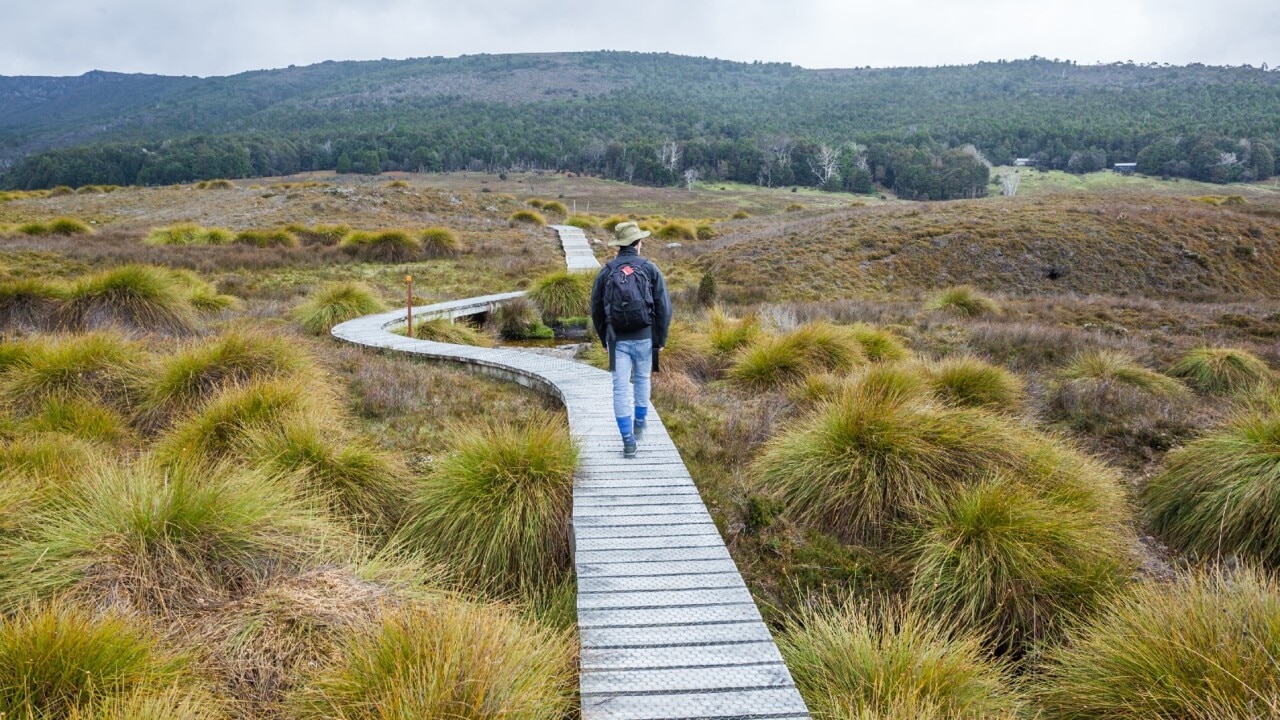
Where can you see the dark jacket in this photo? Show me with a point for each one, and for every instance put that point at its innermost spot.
(661, 304)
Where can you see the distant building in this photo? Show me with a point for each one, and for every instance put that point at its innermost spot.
(1126, 168)
(1023, 162)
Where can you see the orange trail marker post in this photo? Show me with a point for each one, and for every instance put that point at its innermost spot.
(408, 282)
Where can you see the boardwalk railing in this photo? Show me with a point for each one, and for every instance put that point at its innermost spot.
(668, 628)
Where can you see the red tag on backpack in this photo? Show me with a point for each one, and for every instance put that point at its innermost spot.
(627, 270)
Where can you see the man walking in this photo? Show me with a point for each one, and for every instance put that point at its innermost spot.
(631, 311)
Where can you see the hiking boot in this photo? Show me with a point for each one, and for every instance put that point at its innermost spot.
(640, 426)
(629, 447)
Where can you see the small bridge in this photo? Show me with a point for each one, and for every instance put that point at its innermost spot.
(668, 629)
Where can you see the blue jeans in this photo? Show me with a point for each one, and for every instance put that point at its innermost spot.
(632, 360)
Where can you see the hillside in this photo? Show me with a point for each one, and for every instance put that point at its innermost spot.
(608, 113)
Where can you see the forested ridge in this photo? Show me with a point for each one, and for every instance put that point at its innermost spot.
(645, 118)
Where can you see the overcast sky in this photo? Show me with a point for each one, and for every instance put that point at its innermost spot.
(221, 37)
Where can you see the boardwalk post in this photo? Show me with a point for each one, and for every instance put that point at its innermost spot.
(408, 281)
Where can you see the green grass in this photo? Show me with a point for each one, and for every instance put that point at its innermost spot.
(336, 303)
(279, 237)
(35, 459)
(1221, 370)
(1217, 496)
(878, 345)
(102, 367)
(67, 226)
(199, 369)
(777, 360)
(58, 659)
(1012, 566)
(881, 662)
(1204, 647)
(440, 242)
(964, 301)
(614, 221)
(1120, 368)
(319, 234)
(158, 704)
(527, 217)
(389, 246)
(554, 207)
(496, 505)
(189, 234)
(562, 294)
(135, 297)
(676, 230)
(726, 334)
(970, 382)
(29, 303)
(446, 331)
(159, 538)
(80, 418)
(585, 222)
(450, 659)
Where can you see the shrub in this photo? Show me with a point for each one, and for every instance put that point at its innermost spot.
(336, 303)
(706, 289)
(58, 659)
(279, 237)
(780, 359)
(613, 221)
(446, 331)
(586, 222)
(101, 367)
(141, 297)
(1221, 370)
(440, 242)
(554, 207)
(393, 246)
(969, 382)
(562, 294)
(29, 304)
(69, 226)
(160, 539)
(1000, 560)
(527, 216)
(1214, 496)
(877, 344)
(1120, 368)
(881, 661)
(197, 371)
(1204, 648)
(497, 504)
(676, 230)
(188, 234)
(965, 301)
(319, 234)
(451, 659)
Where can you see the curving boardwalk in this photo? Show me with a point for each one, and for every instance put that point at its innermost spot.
(667, 626)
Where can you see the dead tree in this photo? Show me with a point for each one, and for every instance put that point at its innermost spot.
(825, 164)
(1009, 184)
(669, 156)
(691, 176)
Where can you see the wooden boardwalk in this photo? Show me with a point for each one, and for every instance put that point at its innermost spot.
(667, 626)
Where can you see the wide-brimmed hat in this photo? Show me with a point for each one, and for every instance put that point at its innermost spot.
(626, 234)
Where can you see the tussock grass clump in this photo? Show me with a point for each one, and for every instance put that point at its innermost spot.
(554, 207)
(1013, 566)
(741, 215)
(153, 538)
(448, 659)
(970, 382)
(279, 237)
(1221, 370)
(148, 704)
(440, 242)
(189, 234)
(29, 303)
(446, 331)
(965, 301)
(535, 203)
(396, 184)
(69, 226)
(204, 297)
(1217, 495)
(1120, 368)
(61, 191)
(705, 231)
(79, 418)
(878, 345)
(32, 229)
(562, 294)
(528, 217)
(676, 230)
(614, 221)
(1108, 394)
(1203, 648)
(319, 234)
(218, 184)
(102, 367)
(876, 660)
(60, 661)
(135, 297)
(518, 319)
(497, 504)
(336, 303)
(392, 246)
(780, 359)
(41, 459)
(726, 335)
(197, 371)
(585, 222)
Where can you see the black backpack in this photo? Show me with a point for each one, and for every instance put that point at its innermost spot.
(628, 295)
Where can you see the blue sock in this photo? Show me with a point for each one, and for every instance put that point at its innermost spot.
(624, 427)
(641, 412)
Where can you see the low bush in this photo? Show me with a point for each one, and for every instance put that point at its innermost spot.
(969, 382)
(336, 303)
(1221, 370)
(279, 237)
(60, 661)
(528, 217)
(440, 242)
(1215, 496)
(449, 659)
(392, 246)
(964, 301)
(446, 331)
(881, 661)
(562, 294)
(189, 234)
(1205, 647)
(496, 505)
(133, 297)
(780, 359)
